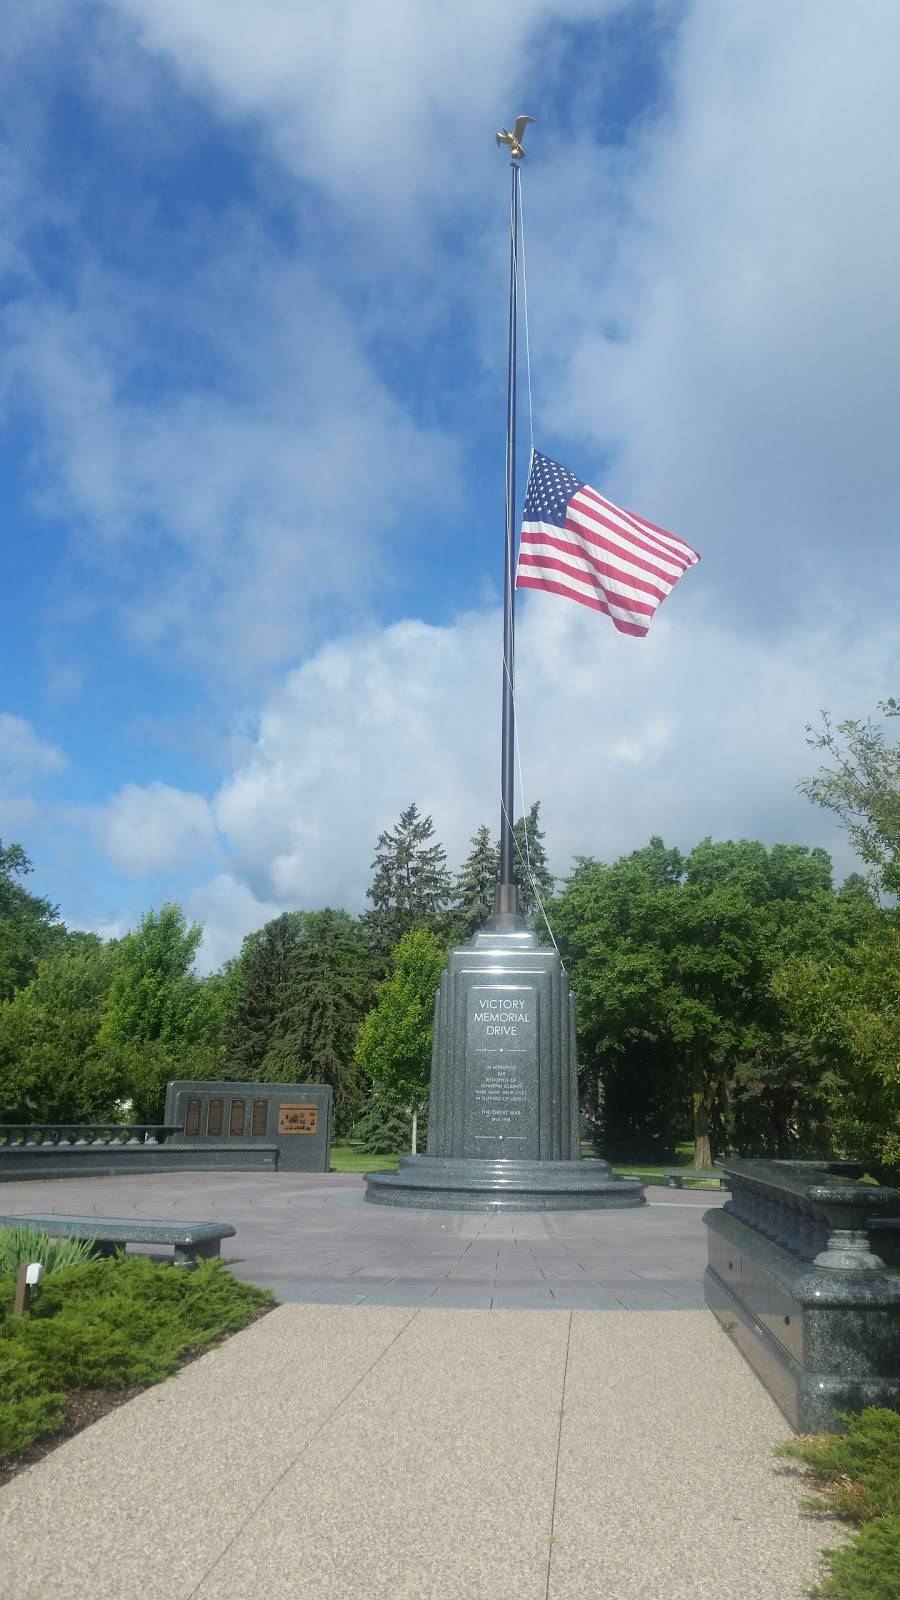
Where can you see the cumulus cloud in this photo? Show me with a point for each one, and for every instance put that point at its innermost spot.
(154, 828)
(228, 910)
(687, 733)
(377, 102)
(23, 752)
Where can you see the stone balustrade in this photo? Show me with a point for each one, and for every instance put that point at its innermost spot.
(32, 1135)
(801, 1275)
(816, 1210)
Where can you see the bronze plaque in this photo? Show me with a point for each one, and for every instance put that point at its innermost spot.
(237, 1117)
(298, 1119)
(192, 1115)
(260, 1119)
(214, 1117)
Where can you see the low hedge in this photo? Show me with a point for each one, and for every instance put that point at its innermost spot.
(857, 1475)
(108, 1324)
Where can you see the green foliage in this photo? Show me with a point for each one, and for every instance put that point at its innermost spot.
(857, 1472)
(296, 997)
(862, 788)
(530, 869)
(106, 1325)
(51, 1063)
(411, 887)
(475, 885)
(858, 1476)
(847, 1006)
(23, 1421)
(672, 959)
(28, 1243)
(383, 1128)
(160, 1020)
(867, 1569)
(393, 1048)
(29, 925)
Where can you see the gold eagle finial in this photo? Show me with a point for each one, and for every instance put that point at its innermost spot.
(514, 139)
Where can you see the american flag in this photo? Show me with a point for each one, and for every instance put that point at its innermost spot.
(576, 543)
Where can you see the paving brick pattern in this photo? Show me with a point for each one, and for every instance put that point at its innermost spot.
(313, 1239)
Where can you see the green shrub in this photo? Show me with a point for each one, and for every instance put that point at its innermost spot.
(28, 1243)
(858, 1472)
(107, 1324)
(867, 1569)
(23, 1421)
(858, 1476)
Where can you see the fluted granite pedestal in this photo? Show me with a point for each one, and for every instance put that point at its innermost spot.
(503, 1126)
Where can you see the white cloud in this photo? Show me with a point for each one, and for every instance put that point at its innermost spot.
(153, 829)
(25, 758)
(228, 911)
(383, 104)
(689, 732)
(23, 752)
(250, 495)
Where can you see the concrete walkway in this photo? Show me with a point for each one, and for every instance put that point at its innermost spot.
(379, 1453)
(421, 1451)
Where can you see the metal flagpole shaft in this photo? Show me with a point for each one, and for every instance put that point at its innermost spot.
(508, 729)
(506, 900)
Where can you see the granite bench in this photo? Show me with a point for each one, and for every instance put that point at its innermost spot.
(677, 1178)
(192, 1241)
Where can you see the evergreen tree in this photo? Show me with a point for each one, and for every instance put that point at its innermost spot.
(29, 926)
(261, 996)
(530, 867)
(297, 995)
(475, 885)
(330, 991)
(411, 887)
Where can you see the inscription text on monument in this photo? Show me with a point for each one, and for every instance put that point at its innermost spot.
(501, 1070)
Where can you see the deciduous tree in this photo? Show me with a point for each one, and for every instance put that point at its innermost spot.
(394, 1044)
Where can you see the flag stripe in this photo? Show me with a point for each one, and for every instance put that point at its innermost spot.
(537, 544)
(578, 544)
(601, 527)
(666, 543)
(595, 604)
(630, 605)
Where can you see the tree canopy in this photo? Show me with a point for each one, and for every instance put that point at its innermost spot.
(411, 887)
(29, 925)
(394, 1045)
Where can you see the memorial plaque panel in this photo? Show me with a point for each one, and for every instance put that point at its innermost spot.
(214, 1117)
(236, 1119)
(298, 1119)
(192, 1116)
(260, 1119)
(502, 1071)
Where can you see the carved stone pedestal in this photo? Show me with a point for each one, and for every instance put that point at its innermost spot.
(503, 1124)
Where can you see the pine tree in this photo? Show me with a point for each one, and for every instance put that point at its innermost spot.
(411, 887)
(532, 855)
(475, 885)
(260, 1006)
(331, 990)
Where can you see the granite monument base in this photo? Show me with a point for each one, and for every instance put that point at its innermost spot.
(447, 1184)
(503, 1121)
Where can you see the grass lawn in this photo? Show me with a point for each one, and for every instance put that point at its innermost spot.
(347, 1158)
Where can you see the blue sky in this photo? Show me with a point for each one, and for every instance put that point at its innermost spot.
(252, 406)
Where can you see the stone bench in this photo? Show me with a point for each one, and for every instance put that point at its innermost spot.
(192, 1241)
(679, 1176)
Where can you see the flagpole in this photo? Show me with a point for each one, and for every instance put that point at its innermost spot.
(506, 900)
